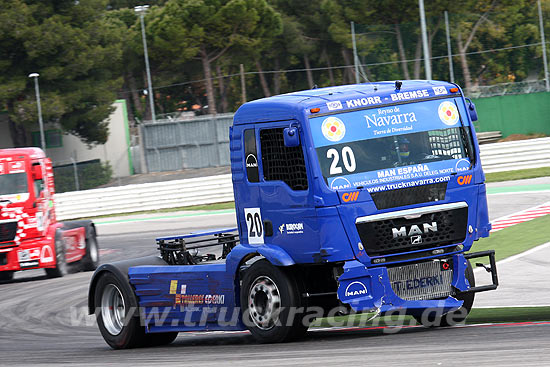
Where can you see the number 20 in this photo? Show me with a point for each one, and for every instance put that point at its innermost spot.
(254, 224)
(347, 157)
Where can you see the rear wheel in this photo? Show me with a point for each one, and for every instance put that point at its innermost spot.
(272, 304)
(6, 275)
(454, 317)
(119, 329)
(61, 267)
(90, 261)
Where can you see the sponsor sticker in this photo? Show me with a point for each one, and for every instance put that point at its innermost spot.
(350, 196)
(291, 228)
(173, 286)
(439, 90)
(365, 101)
(251, 161)
(333, 129)
(340, 183)
(16, 167)
(199, 299)
(448, 113)
(334, 105)
(356, 289)
(409, 95)
(464, 180)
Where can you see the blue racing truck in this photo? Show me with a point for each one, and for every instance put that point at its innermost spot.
(358, 198)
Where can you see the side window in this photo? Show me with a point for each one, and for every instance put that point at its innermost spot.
(38, 187)
(251, 156)
(281, 163)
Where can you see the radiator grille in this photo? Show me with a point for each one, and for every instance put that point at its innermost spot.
(8, 231)
(409, 196)
(422, 281)
(378, 236)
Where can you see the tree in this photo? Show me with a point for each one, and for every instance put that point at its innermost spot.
(73, 47)
(212, 28)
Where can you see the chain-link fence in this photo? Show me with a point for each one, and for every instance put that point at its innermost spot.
(491, 52)
(81, 176)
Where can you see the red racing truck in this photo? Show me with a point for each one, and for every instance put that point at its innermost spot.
(30, 235)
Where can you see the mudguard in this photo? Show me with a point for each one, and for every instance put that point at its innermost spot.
(274, 254)
(120, 270)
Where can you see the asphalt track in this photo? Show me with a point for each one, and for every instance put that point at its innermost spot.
(43, 321)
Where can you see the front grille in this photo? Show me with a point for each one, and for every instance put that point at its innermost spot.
(395, 235)
(409, 196)
(8, 231)
(421, 281)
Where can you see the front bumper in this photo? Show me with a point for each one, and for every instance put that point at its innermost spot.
(39, 253)
(369, 289)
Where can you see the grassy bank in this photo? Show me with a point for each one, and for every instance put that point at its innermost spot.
(477, 316)
(520, 174)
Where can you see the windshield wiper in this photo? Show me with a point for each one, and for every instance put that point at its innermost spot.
(4, 200)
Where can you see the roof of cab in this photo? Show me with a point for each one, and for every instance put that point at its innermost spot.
(30, 152)
(291, 105)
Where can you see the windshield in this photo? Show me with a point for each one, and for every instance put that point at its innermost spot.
(391, 144)
(12, 184)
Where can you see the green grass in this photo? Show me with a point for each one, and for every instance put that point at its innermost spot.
(476, 316)
(520, 174)
(516, 239)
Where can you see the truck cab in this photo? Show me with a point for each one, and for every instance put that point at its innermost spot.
(375, 176)
(30, 235)
(358, 198)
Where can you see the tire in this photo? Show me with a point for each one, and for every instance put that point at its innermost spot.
(159, 339)
(119, 329)
(454, 317)
(90, 261)
(6, 275)
(269, 297)
(61, 268)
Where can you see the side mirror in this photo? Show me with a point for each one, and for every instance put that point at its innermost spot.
(291, 137)
(37, 172)
(472, 109)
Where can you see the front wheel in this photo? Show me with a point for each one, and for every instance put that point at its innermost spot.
(271, 303)
(90, 261)
(6, 275)
(61, 267)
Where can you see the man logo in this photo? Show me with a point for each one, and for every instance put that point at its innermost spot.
(416, 240)
(350, 196)
(356, 289)
(464, 180)
(414, 230)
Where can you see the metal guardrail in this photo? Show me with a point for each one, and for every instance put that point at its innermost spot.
(514, 155)
(216, 189)
(150, 196)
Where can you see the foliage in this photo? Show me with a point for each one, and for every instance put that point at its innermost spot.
(76, 51)
(89, 50)
(90, 176)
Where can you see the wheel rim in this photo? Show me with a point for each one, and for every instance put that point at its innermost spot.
(264, 302)
(113, 310)
(94, 254)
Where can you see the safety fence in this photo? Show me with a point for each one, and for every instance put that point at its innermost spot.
(171, 145)
(216, 189)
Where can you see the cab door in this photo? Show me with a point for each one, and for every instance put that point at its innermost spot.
(287, 207)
